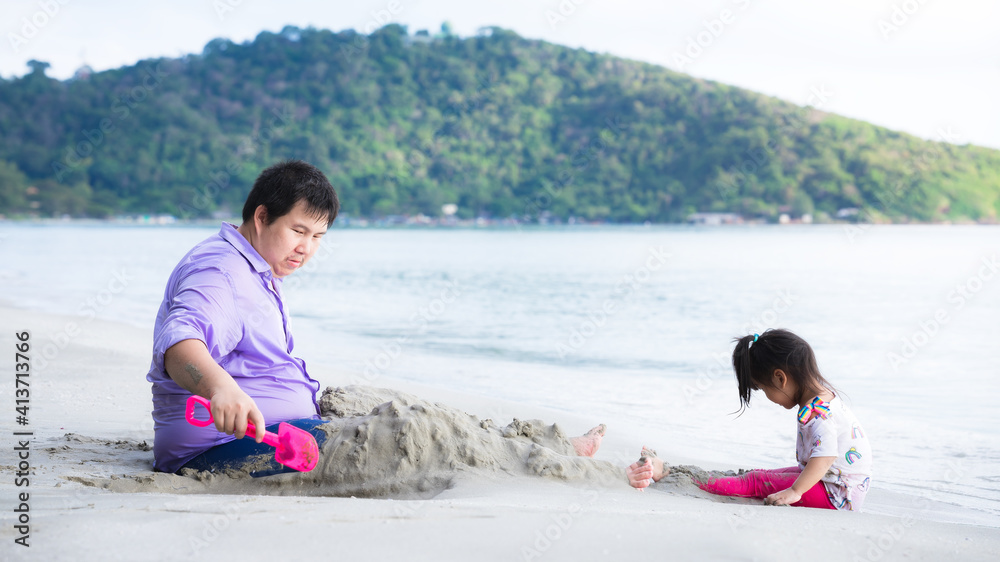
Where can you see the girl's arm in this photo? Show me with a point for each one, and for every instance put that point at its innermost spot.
(814, 470)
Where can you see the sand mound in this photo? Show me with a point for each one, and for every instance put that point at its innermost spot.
(383, 443)
(681, 480)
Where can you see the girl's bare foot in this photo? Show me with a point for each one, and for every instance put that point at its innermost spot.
(588, 444)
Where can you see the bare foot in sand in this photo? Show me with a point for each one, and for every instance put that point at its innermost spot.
(648, 469)
(587, 444)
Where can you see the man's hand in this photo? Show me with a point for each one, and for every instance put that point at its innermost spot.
(784, 497)
(231, 408)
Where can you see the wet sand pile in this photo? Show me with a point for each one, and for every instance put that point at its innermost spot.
(383, 443)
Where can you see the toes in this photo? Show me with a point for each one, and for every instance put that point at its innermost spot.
(599, 430)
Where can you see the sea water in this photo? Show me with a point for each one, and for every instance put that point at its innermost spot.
(626, 323)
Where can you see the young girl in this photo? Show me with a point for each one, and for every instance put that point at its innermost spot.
(835, 459)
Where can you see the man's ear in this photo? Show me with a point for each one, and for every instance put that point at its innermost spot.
(780, 378)
(260, 218)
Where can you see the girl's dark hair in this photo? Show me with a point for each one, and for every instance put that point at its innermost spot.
(279, 187)
(755, 363)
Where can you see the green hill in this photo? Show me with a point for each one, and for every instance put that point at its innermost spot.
(497, 124)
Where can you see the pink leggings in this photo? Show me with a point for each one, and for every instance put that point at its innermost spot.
(762, 483)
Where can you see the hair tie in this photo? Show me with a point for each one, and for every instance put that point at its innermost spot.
(749, 345)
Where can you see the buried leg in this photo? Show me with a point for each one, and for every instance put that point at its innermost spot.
(247, 455)
(762, 483)
(587, 444)
(752, 484)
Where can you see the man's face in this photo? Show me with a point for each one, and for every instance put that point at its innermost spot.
(290, 240)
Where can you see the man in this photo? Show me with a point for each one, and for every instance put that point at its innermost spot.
(222, 329)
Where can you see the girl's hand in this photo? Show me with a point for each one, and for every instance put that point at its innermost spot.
(784, 497)
(640, 474)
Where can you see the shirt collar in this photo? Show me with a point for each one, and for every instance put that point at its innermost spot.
(229, 233)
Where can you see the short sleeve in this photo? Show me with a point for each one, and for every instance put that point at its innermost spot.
(203, 307)
(822, 438)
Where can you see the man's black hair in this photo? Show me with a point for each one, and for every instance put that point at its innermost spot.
(279, 187)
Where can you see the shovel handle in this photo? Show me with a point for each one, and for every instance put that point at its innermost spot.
(269, 437)
(194, 399)
(189, 411)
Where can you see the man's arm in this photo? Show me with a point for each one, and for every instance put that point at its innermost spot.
(814, 470)
(190, 365)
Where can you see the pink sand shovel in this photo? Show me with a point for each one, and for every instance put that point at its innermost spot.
(296, 448)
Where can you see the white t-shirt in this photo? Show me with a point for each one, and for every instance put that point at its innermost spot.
(839, 435)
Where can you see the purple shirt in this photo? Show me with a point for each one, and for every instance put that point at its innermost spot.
(221, 293)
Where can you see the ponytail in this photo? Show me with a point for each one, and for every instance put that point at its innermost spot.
(743, 369)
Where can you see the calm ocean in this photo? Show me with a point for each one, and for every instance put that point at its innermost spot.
(632, 323)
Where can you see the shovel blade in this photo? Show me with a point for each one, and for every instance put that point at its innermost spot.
(297, 448)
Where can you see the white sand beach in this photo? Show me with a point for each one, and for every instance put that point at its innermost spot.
(92, 430)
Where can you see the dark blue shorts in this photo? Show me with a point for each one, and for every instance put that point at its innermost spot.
(235, 454)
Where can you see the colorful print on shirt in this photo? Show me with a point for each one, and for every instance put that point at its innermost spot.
(831, 430)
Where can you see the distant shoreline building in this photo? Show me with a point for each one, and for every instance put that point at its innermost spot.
(714, 219)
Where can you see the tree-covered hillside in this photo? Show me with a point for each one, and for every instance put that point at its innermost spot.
(496, 124)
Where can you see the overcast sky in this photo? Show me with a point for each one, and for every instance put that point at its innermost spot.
(927, 67)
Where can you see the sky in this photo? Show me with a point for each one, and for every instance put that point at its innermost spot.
(930, 68)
